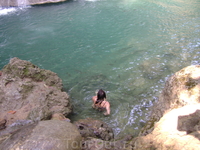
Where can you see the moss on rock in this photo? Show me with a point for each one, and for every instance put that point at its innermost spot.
(31, 92)
(24, 69)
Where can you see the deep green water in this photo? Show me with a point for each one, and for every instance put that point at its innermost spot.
(126, 47)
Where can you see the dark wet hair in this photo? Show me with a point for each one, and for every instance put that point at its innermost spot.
(101, 95)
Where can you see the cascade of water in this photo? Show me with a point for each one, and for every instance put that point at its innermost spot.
(15, 3)
(22, 3)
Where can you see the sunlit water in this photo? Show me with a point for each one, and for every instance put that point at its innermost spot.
(126, 47)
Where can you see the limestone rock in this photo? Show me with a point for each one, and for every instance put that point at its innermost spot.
(30, 93)
(175, 120)
(177, 129)
(45, 135)
(180, 89)
(94, 128)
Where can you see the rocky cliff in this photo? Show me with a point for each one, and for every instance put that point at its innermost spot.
(30, 93)
(175, 119)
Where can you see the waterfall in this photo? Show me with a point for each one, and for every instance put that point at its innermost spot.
(15, 3)
(22, 3)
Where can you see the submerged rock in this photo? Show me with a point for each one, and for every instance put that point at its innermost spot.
(175, 120)
(45, 135)
(28, 92)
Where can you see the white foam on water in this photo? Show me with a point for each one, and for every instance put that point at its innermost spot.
(5, 11)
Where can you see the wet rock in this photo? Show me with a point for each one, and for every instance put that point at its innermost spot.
(51, 135)
(30, 93)
(94, 128)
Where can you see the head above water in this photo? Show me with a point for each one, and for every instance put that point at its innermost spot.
(101, 95)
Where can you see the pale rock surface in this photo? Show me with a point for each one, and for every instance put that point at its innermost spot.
(175, 120)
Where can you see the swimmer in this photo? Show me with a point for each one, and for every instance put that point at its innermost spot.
(100, 103)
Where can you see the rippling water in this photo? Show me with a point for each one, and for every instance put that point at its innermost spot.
(126, 47)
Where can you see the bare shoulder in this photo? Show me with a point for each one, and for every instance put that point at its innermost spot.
(106, 103)
(94, 98)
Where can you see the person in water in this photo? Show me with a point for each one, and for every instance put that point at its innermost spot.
(100, 103)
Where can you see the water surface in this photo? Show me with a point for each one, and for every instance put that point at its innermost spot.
(126, 47)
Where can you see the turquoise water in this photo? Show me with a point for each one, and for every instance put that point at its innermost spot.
(126, 47)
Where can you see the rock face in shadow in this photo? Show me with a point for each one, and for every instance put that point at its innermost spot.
(189, 123)
(45, 135)
(30, 93)
(22, 3)
(175, 120)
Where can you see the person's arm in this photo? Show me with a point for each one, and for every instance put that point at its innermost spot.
(107, 109)
(94, 98)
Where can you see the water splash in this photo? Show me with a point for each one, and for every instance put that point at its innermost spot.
(22, 3)
(14, 3)
(6, 11)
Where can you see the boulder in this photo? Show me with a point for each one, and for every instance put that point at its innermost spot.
(44, 135)
(175, 120)
(94, 128)
(30, 93)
